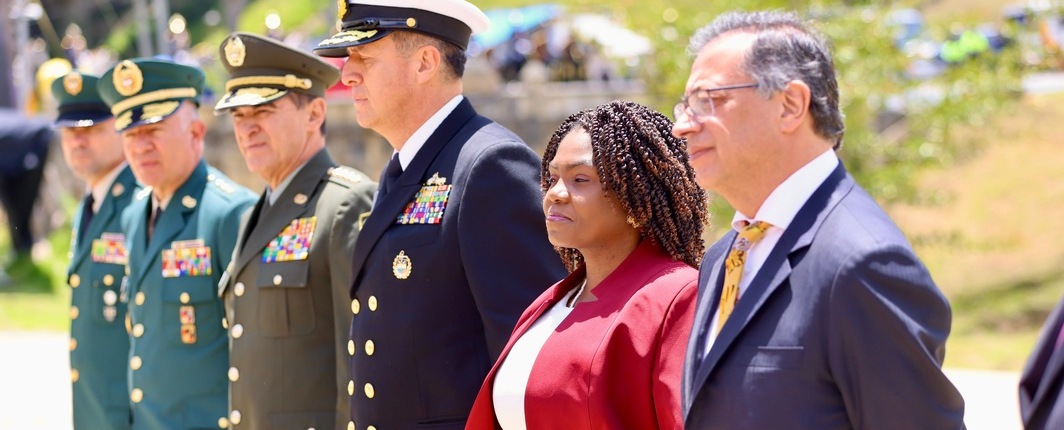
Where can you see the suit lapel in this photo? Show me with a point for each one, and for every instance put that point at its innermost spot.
(175, 217)
(386, 210)
(776, 269)
(109, 209)
(82, 247)
(1046, 367)
(270, 224)
(138, 236)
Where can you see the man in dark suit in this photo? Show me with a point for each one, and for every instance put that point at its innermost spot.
(455, 247)
(289, 283)
(24, 148)
(817, 314)
(99, 345)
(180, 233)
(1042, 381)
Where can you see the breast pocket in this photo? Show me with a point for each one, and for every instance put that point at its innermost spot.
(286, 303)
(191, 309)
(768, 358)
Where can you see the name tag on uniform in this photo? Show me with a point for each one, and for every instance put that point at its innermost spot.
(187, 258)
(428, 204)
(293, 243)
(110, 248)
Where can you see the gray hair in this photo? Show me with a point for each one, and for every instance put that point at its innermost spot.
(784, 50)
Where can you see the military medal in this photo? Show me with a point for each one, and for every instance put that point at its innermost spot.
(109, 310)
(293, 243)
(428, 204)
(110, 248)
(187, 258)
(401, 266)
(187, 316)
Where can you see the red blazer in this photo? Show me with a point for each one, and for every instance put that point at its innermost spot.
(614, 363)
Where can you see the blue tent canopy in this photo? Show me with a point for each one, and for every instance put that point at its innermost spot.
(506, 22)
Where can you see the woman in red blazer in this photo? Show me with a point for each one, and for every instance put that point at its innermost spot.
(604, 347)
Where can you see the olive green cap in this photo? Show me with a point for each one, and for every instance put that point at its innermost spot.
(80, 104)
(262, 70)
(147, 90)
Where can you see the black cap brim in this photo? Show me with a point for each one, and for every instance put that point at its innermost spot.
(82, 116)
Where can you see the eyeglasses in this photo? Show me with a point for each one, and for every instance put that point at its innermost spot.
(699, 102)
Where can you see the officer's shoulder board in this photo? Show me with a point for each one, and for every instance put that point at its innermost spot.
(221, 184)
(144, 193)
(345, 176)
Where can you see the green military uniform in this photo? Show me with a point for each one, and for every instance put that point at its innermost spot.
(287, 293)
(99, 345)
(178, 354)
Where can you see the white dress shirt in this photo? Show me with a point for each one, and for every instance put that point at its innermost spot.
(508, 391)
(418, 139)
(779, 209)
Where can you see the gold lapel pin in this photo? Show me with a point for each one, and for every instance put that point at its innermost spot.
(300, 199)
(189, 202)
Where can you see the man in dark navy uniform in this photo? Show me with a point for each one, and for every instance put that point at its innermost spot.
(455, 247)
(99, 344)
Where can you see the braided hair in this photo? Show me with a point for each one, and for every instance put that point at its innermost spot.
(645, 170)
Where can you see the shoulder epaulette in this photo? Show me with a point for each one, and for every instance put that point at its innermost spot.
(223, 185)
(346, 175)
(144, 193)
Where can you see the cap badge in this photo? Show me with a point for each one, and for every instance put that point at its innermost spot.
(235, 51)
(128, 79)
(401, 266)
(72, 83)
(341, 10)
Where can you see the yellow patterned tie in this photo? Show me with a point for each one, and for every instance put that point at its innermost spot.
(733, 268)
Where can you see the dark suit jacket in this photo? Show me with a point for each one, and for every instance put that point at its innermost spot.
(1041, 402)
(841, 328)
(99, 344)
(612, 363)
(291, 360)
(179, 384)
(424, 344)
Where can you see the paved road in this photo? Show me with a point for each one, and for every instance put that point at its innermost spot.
(35, 387)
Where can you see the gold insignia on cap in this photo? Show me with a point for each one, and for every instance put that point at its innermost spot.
(341, 10)
(235, 51)
(411, 22)
(117, 190)
(189, 202)
(127, 78)
(72, 83)
(300, 199)
(401, 266)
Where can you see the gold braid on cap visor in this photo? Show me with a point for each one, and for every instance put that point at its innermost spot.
(154, 96)
(287, 81)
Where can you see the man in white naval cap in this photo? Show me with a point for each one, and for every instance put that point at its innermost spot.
(455, 247)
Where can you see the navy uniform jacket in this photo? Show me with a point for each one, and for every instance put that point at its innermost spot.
(99, 344)
(841, 328)
(288, 370)
(1042, 381)
(178, 350)
(434, 304)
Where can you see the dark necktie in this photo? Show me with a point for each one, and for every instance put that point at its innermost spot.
(389, 177)
(86, 217)
(156, 213)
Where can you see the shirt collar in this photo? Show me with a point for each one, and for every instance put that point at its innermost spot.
(273, 195)
(99, 192)
(783, 204)
(418, 139)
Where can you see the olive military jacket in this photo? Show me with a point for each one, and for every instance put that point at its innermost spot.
(287, 301)
(99, 345)
(178, 350)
